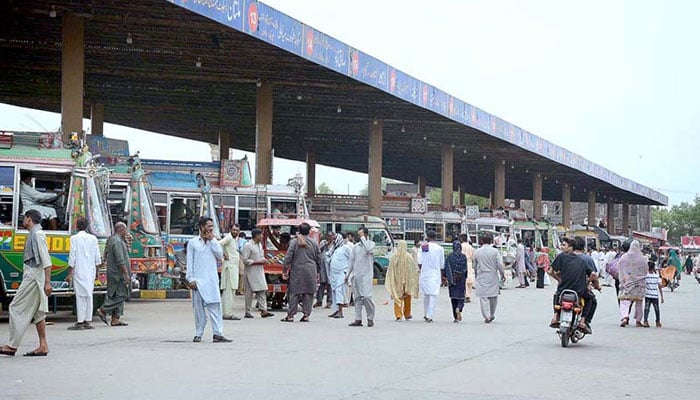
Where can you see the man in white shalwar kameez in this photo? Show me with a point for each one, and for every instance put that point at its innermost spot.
(361, 272)
(83, 259)
(30, 304)
(203, 252)
(433, 262)
(229, 271)
(520, 265)
(339, 265)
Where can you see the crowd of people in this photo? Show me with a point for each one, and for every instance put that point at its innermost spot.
(339, 270)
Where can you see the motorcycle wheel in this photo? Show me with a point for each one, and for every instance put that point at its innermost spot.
(564, 335)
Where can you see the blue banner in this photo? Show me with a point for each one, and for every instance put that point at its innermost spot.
(369, 70)
(326, 51)
(274, 27)
(404, 86)
(227, 12)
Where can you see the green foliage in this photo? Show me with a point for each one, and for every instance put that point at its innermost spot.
(435, 197)
(680, 220)
(323, 189)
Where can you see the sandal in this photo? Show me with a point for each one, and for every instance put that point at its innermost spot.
(7, 351)
(305, 318)
(119, 323)
(624, 322)
(287, 319)
(102, 315)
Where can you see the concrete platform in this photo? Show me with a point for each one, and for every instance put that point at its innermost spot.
(516, 357)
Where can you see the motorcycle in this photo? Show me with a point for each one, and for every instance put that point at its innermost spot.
(569, 308)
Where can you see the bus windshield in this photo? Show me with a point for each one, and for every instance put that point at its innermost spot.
(97, 212)
(149, 219)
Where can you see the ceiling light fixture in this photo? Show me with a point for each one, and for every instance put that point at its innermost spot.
(300, 97)
(340, 110)
(52, 12)
(452, 146)
(258, 83)
(403, 129)
(464, 151)
(129, 40)
(198, 64)
(425, 137)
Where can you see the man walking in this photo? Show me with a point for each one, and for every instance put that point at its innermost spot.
(203, 252)
(362, 271)
(433, 262)
(488, 268)
(31, 303)
(520, 265)
(254, 275)
(83, 259)
(301, 265)
(229, 271)
(118, 277)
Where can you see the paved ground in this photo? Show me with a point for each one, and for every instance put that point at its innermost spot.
(516, 357)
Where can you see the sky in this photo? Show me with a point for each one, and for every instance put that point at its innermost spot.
(616, 82)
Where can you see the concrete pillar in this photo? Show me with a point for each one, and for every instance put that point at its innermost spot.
(447, 176)
(72, 69)
(626, 219)
(566, 205)
(537, 197)
(97, 119)
(421, 186)
(591, 208)
(611, 217)
(374, 170)
(263, 135)
(460, 195)
(517, 204)
(499, 185)
(310, 173)
(224, 145)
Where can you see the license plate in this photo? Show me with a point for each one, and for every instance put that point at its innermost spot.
(276, 288)
(566, 317)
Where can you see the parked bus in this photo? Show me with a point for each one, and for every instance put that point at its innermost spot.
(378, 233)
(47, 167)
(183, 191)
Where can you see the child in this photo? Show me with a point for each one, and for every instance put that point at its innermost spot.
(651, 295)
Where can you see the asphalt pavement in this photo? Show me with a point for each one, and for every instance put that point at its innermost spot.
(515, 357)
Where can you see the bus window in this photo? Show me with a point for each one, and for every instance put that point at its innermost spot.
(246, 219)
(160, 200)
(7, 180)
(184, 213)
(116, 198)
(45, 191)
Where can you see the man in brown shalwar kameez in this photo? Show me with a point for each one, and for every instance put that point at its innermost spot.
(301, 267)
(118, 276)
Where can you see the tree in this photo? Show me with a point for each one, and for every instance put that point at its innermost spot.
(435, 197)
(323, 189)
(680, 220)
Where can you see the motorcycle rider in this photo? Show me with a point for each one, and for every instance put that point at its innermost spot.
(574, 272)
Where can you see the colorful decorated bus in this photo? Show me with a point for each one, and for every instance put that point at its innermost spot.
(61, 182)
